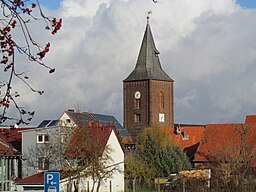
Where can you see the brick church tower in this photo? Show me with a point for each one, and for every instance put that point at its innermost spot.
(147, 91)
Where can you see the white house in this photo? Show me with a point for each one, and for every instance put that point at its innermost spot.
(114, 182)
(102, 128)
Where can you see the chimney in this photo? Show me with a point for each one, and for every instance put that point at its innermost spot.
(71, 110)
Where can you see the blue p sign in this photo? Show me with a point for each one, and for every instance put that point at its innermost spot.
(51, 182)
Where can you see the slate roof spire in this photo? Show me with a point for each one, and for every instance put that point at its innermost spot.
(148, 65)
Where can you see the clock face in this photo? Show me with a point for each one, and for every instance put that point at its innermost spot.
(137, 95)
(161, 117)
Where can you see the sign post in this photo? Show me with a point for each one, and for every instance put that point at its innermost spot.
(51, 182)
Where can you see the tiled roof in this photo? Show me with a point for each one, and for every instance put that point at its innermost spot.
(250, 119)
(85, 140)
(33, 179)
(38, 178)
(85, 119)
(188, 136)
(148, 65)
(10, 141)
(81, 119)
(225, 139)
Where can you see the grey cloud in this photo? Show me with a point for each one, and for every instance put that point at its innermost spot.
(208, 49)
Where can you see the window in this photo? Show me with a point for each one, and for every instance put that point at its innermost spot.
(43, 138)
(137, 117)
(161, 100)
(43, 163)
(137, 104)
(68, 121)
(46, 138)
(39, 138)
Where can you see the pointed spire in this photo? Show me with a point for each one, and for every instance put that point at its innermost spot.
(148, 64)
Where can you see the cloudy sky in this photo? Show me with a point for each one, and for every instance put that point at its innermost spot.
(208, 47)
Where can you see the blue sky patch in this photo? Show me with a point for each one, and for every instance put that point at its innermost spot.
(247, 3)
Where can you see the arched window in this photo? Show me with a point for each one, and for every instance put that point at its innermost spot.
(161, 100)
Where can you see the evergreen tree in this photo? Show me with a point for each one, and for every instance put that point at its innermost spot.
(164, 159)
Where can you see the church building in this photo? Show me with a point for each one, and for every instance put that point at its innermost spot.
(148, 91)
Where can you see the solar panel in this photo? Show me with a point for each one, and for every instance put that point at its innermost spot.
(53, 123)
(103, 118)
(44, 123)
(111, 120)
(88, 117)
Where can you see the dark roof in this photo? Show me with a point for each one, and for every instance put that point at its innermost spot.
(191, 150)
(111, 120)
(148, 65)
(81, 119)
(84, 119)
(48, 123)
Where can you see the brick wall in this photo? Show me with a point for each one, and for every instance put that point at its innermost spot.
(149, 109)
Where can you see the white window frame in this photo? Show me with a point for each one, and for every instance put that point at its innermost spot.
(40, 141)
(43, 138)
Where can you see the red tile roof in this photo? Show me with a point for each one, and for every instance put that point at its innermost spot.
(33, 179)
(38, 178)
(250, 119)
(225, 139)
(194, 135)
(90, 137)
(10, 141)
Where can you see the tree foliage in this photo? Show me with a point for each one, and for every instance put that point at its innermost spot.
(78, 152)
(91, 157)
(159, 135)
(155, 156)
(136, 168)
(19, 17)
(165, 160)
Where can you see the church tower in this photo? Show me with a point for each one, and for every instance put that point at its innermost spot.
(147, 91)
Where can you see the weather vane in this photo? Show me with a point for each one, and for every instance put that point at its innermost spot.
(148, 13)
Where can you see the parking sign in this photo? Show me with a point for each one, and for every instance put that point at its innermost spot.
(51, 182)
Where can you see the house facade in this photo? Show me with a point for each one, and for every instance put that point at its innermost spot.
(36, 153)
(44, 150)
